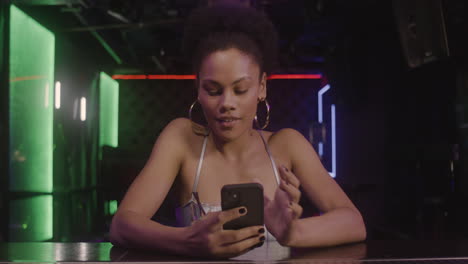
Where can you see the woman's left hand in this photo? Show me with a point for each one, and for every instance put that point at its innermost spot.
(281, 212)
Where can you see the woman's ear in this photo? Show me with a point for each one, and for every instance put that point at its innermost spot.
(263, 91)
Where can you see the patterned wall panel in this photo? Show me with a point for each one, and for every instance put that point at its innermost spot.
(146, 106)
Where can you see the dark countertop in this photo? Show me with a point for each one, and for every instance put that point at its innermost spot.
(404, 251)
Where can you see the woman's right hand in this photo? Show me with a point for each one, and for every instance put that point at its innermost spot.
(207, 238)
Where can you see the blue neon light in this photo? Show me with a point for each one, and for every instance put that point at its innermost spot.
(321, 92)
(333, 127)
(320, 106)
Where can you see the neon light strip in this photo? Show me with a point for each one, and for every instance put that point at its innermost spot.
(129, 77)
(320, 106)
(83, 109)
(193, 77)
(172, 77)
(75, 109)
(294, 76)
(321, 92)
(333, 127)
(58, 88)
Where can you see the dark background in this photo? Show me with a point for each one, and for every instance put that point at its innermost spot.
(398, 72)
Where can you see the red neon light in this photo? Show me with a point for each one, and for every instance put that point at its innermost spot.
(193, 77)
(294, 76)
(129, 77)
(172, 77)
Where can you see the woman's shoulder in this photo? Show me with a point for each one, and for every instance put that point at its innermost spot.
(284, 136)
(178, 124)
(286, 140)
(182, 131)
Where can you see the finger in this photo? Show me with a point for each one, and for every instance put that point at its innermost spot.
(231, 214)
(294, 194)
(210, 220)
(233, 236)
(296, 210)
(289, 177)
(266, 201)
(242, 246)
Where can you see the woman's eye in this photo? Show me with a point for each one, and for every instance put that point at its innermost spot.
(213, 92)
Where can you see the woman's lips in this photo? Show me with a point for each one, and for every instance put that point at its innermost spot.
(228, 123)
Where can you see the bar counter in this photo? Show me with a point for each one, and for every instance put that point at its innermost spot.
(271, 252)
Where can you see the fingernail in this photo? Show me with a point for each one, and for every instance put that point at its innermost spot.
(242, 211)
(262, 238)
(286, 169)
(259, 244)
(261, 230)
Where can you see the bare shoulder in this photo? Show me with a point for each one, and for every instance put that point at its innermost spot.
(178, 129)
(182, 134)
(286, 139)
(173, 137)
(178, 125)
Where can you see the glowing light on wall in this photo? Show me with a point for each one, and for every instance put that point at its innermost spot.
(172, 77)
(83, 109)
(333, 127)
(320, 102)
(32, 50)
(321, 92)
(193, 77)
(112, 207)
(75, 109)
(294, 76)
(108, 111)
(58, 92)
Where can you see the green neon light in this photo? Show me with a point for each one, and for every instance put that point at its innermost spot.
(108, 111)
(32, 50)
(31, 219)
(112, 207)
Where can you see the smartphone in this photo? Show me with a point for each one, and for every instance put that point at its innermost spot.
(249, 195)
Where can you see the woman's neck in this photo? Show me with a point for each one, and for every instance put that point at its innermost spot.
(238, 148)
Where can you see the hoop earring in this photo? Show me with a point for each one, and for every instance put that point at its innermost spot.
(199, 129)
(191, 108)
(267, 121)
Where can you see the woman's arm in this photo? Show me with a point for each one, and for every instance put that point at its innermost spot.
(132, 226)
(340, 221)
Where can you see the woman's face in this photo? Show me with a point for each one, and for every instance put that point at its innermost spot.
(229, 89)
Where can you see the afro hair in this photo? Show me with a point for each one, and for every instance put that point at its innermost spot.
(217, 28)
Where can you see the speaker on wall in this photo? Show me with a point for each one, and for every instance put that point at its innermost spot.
(422, 28)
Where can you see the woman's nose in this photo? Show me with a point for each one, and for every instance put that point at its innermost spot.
(227, 102)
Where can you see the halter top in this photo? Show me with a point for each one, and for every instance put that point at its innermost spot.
(194, 209)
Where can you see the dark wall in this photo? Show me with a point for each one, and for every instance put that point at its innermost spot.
(398, 130)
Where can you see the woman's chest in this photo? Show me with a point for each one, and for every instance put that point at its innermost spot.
(216, 172)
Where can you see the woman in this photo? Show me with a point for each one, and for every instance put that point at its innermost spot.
(232, 50)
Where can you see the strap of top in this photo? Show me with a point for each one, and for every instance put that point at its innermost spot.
(273, 163)
(202, 156)
(200, 163)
